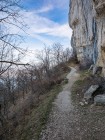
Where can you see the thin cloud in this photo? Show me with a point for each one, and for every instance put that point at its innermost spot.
(40, 25)
(42, 28)
(58, 3)
(62, 31)
(44, 9)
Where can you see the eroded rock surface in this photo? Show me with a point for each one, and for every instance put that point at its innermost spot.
(87, 19)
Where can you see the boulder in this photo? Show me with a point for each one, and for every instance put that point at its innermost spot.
(99, 100)
(88, 94)
(97, 70)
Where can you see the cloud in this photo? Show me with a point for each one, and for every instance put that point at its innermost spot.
(43, 3)
(40, 26)
(61, 31)
(44, 9)
(57, 3)
(41, 29)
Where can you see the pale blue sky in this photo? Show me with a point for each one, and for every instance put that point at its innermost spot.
(47, 22)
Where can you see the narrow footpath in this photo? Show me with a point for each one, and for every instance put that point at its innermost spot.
(60, 124)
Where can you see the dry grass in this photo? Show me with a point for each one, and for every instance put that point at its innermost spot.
(90, 117)
(38, 117)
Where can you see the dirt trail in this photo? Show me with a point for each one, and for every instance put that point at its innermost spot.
(60, 123)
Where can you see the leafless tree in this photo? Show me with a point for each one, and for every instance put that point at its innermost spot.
(10, 18)
(44, 57)
(66, 55)
(57, 50)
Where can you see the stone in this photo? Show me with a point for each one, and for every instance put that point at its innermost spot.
(86, 103)
(99, 100)
(81, 21)
(81, 103)
(87, 20)
(88, 94)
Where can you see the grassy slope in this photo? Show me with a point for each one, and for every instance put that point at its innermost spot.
(33, 124)
(39, 116)
(91, 118)
(83, 83)
(78, 87)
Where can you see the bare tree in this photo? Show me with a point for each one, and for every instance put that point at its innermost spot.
(44, 57)
(66, 55)
(10, 52)
(57, 50)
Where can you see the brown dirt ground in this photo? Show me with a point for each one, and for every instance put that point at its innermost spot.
(70, 121)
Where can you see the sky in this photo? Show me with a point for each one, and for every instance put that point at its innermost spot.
(47, 23)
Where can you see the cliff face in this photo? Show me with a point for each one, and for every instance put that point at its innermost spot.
(87, 19)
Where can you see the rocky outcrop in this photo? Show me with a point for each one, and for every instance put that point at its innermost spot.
(87, 19)
(88, 94)
(99, 100)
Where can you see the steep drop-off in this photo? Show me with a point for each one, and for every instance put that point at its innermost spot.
(87, 19)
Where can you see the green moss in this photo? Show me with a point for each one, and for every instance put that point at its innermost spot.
(78, 82)
(84, 74)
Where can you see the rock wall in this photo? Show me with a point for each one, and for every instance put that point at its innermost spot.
(87, 19)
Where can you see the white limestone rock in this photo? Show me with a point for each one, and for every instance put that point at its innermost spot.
(88, 94)
(87, 19)
(99, 100)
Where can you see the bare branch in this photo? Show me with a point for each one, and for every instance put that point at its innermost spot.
(14, 63)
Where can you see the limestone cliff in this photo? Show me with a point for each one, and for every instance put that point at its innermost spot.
(87, 19)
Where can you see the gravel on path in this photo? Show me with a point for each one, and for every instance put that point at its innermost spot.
(60, 123)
